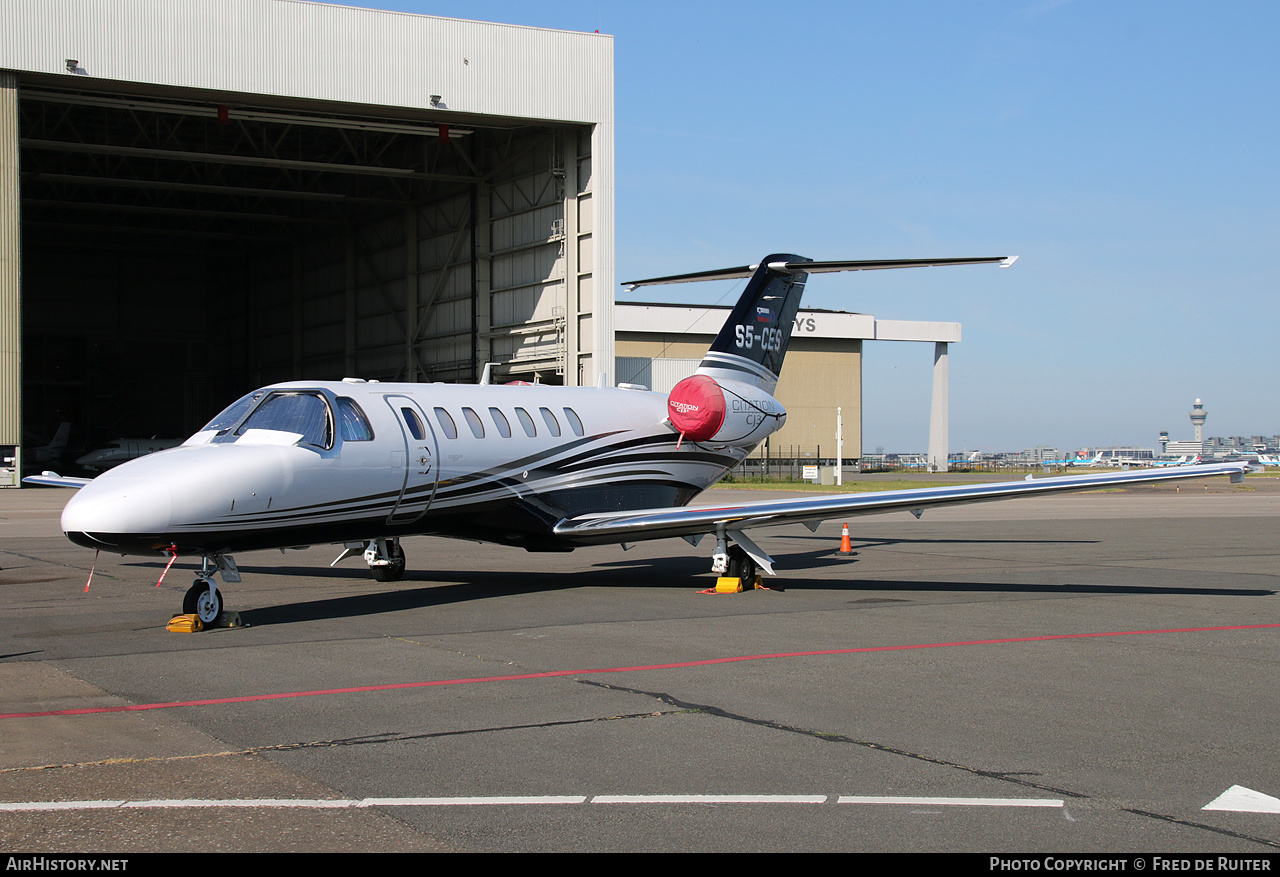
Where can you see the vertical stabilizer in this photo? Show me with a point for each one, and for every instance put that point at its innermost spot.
(60, 437)
(753, 341)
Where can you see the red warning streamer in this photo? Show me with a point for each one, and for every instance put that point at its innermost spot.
(173, 555)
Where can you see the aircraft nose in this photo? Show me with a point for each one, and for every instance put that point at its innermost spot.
(118, 506)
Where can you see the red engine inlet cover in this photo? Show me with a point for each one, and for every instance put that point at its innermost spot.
(696, 407)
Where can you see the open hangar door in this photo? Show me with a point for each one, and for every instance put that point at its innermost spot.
(182, 248)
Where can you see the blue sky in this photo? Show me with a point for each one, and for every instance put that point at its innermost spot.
(1127, 151)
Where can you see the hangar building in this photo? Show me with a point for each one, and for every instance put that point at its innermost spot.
(201, 197)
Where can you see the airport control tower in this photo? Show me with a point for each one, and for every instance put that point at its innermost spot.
(1198, 416)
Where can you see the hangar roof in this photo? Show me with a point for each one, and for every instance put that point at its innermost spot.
(317, 51)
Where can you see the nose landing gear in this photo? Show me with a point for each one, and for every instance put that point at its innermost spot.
(203, 599)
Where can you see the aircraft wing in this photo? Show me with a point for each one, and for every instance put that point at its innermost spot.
(53, 479)
(635, 526)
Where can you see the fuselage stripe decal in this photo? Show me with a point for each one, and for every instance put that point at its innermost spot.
(496, 477)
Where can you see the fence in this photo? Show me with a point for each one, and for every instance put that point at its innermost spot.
(787, 464)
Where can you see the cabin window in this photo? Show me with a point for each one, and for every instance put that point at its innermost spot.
(575, 423)
(473, 421)
(353, 426)
(501, 422)
(446, 423)
(552, 423)
(233, 413)
(306, 414)
(527, 422)
(411, 420)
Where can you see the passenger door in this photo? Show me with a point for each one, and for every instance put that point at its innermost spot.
(421, 454)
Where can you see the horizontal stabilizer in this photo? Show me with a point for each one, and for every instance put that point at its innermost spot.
(820, 268)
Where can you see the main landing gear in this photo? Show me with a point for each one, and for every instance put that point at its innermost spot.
(741, 566)
(741, 560)
(385, 558)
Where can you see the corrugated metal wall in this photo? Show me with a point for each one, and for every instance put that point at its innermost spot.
(395, 298)
(658, 374)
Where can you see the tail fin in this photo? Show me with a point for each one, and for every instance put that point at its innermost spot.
(60, 437)
(753, 341)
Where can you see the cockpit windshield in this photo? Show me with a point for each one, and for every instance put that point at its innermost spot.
(232, 414)
(305, 414)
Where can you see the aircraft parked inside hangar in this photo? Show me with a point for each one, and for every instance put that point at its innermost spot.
(55, 449)
(122, 450)
(540, 467)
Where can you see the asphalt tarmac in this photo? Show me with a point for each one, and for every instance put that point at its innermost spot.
(1083, 673)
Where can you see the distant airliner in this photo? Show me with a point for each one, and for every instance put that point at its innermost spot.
(539, 467)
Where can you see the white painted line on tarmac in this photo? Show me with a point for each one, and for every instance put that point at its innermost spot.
(518, 800)
(463, 802)
(952, 802)
(62, 805)
(291, 803)
(709, 799)
(1243, 800)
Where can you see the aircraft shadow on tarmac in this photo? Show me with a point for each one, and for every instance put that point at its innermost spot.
(424, 588)
(798, 562)
(443, 587)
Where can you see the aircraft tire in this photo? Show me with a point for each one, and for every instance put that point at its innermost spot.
(197, 603)
(741, 566)
(394, 571)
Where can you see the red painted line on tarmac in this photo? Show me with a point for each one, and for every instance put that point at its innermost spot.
(552, 674)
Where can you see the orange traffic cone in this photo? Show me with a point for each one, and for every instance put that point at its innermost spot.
(845, 548)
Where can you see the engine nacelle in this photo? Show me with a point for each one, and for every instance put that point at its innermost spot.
(723, 413)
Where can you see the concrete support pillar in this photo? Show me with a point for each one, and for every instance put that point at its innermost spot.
(939, 410)
(10, 272)
(601, 187)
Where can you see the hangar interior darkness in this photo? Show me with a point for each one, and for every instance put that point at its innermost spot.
(180, 249)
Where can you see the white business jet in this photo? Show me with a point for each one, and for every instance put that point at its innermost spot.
(543, 468)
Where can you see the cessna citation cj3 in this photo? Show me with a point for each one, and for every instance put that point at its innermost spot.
(540, 467)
